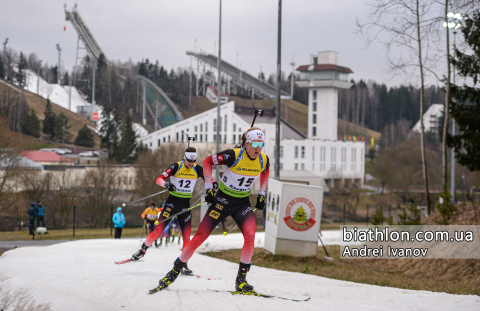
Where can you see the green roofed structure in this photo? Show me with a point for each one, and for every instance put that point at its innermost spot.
(160, 106)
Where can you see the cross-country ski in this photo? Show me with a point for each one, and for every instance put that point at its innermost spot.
(255, 294)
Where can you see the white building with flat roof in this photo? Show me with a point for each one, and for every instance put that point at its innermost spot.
(335, 163)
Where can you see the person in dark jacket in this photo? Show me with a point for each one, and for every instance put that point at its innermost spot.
(118, 220)
(40, 213)
(31, 217)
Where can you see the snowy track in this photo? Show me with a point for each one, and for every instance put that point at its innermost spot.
(81, 275)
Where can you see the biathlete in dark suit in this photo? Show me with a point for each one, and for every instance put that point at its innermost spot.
(183, 176)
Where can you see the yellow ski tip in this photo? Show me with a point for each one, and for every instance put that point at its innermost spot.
(224, 234)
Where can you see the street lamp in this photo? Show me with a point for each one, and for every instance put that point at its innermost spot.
(453, 23)
(38, 75)
(58, 66)
(219, 87)
(5, 54)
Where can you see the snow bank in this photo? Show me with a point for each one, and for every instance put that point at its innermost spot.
(81, 275)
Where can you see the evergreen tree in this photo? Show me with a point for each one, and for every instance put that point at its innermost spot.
(59, 129)
(85, 138)
(414, 217)
(22, 65)
(2, 69)
(50, 121)
(446, 208)
(101, 62)
(128, 142)
(108, 131)
(378, 218)
(465, 106)
(32, 125)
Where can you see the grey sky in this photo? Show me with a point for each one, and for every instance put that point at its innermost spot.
(165, 30)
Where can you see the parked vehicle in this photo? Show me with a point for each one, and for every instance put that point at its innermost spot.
(58, 151)
(46, 149)
(66, 150)
(86, 154)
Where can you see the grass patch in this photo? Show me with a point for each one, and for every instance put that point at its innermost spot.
(67, 234)
(434, 275)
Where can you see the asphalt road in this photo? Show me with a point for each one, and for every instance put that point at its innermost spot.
(8, 245)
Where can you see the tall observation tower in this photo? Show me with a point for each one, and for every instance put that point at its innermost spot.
(323, 77)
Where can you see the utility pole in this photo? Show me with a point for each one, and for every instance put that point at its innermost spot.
(190, 89)
(5, 55)
(38, 76)
(219, 88)
(144, 119)
(292, 79)
(58, 66)
(277, 96)
(452, 177)
(93, 94)
(70, 95)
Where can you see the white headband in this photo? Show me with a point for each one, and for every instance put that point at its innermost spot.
(255, 135)
(191, 156)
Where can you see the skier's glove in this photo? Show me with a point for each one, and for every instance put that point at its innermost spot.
(170, 186)
(209, 196)
(260, 202)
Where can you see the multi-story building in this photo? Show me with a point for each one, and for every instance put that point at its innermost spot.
(335, 162)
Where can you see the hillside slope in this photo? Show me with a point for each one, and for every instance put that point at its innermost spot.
(39, 103)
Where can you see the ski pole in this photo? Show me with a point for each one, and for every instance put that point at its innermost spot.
(183, 211)
(225, 233)
(327, 258)
(143, 230)
(125, 204)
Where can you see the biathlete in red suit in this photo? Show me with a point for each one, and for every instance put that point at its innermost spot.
(183, 176)
(243, 166)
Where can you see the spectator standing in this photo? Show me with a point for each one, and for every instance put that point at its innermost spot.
(40, 213)
(118, 220)
(31, 217)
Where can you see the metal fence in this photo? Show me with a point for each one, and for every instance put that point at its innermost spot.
(84, 222)
(74, 222)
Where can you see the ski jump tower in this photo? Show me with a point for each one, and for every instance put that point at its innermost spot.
(162, 109)
(84, 34)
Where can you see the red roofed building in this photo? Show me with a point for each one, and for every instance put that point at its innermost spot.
(47, 158)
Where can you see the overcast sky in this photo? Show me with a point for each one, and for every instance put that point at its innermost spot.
(164, 30)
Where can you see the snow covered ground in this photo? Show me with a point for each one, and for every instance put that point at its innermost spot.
(59, 94)
(81, 275)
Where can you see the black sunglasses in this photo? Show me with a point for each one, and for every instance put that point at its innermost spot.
(191, 161)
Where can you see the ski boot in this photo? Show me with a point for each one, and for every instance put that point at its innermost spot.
(170, 277)
(140, 253)
(178, 240)
(160, 244)
(241, 283)
(156, 243)
(186, 271)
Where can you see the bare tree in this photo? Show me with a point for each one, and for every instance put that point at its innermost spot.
(32, 183)
(62, 192)
(101, 186)
(405, 24)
